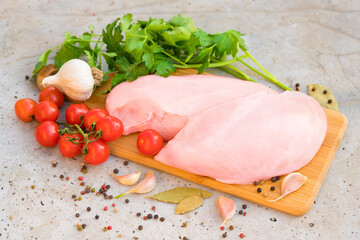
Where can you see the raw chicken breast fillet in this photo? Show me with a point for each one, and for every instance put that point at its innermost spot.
(249, 138)
(165, 104)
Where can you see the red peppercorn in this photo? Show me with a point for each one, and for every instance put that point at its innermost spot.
(80, 178)
(144, 218)
(242, 235)
(153, 208)
(82, 192)
(113, 204)
(222, 228)
(109, 227)
(103, 186)
(105, 208)
(244, 213)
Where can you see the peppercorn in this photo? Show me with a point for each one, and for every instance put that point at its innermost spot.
(297, 85)
(82, 193)
(107, 187)
(54, 163)
(231, 227)
(109, 227)
(149, 216)
(224, 235)
(162, 219)
(325, 92)
(32, 186)
(313, 89)
(242, 235)
(67, 178)
(73, 196)
(84, 167)
(80, 178)
(297, 88)
(27, 77)
(83, 226)
(105, 208)
(106, 196)
(138, 214)
(240, 212)
(61, 176)
(79, 227)
(222, 228)
(105, 229)
(329, 101)
(93, 190)
(244, 206)
(272, 188)
(273, 179)
(144, 218)
(244, 214)
(101, 190)
(116, 171)
(156, 216)
(111, 197)
(103, 186)
(97, 194)
(259, 190)
(185, 238)
(153, 208)
(82, 184)
(140, 227)
(88, 209)
(126, 163)
(184, 224)
(87, 190)
(79, 198)
(127, 201)
(256, 183)
(77, 215)
(96, 217)
(277, 178)
(115, 209)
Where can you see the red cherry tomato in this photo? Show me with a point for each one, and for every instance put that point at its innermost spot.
(149, 142)
(111, 128)
(47, 133)
(24, 109)
(97, 152)
(46, 111)
(74, 113)
(52, 94)
(94, 115)
(68, 148)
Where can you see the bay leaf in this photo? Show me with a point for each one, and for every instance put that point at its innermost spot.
(189, 204)
(317, 91)
(176, 195)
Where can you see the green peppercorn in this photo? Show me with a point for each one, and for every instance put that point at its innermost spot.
(32, 186)
(79, 198)
(93, 190)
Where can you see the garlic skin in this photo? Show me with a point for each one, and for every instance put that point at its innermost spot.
(74, 79)
(291, 183)
(226, 207)
(129, 179)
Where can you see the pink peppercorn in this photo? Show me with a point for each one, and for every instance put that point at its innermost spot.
(103, 186)
(105, 208)
(222, 228)
(144, 218)
(67, 178)
(80, 178)
(242, 235)
(153, 208)
(109, 227)
(113, 204)
(244, 213)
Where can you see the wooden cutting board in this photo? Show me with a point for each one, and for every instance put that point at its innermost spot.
(297, 203)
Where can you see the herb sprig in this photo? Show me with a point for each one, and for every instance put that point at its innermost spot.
(135, 49)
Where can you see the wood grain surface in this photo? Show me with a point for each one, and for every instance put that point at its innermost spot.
(297, 203)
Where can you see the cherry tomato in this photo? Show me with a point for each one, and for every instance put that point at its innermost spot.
(74, 113)
(46, 111)
(149, 142)
(24, 109)
(52, 94)
(111, 128)
(68, 148)
(47, 133)
(97, 152)
(94, 115)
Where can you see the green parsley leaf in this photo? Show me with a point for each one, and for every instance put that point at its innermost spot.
(133, 72)
(112, 37)
(126, 22)
(185, 22)
(162, 66)
(42, 60)
(90, 58)
(178, 34)
(158, 25)
(229, 42)
(66, 53)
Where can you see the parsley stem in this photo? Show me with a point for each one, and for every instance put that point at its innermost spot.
(173, 58)
(211, 65)
(237, 74)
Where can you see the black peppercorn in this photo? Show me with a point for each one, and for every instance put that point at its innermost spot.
(156, 216)
(244, 206)
(111, 197)
(73, 196)
(127, 201)
(272, 188)
(162, 219)
(116, 171)
(96, 216)
(273, 179)
(140, 227)
(329, 101)
(101, 190)
(277, 178)
(107, 187)
(149, 216)
(241, 212)
(224, 235)
(259, 190)
(83, 226)
(138, 214)
(87, 190)
(297, 85)
(313, 89)
(256, 183)
(325, 92)
(77, 215)
(88, 209)
(126, 163)
(61, 176)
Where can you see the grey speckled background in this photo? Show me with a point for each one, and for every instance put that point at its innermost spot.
(313, 41)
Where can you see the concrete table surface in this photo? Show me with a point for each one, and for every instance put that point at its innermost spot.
(298, 41)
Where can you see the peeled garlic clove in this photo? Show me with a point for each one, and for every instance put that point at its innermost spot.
(291, 183)
(74, 79)
(226, 207)
(129, 179)
(145, 186)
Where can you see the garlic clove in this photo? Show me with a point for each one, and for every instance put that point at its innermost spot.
(226, 207)
(291, 183)
(129, 179)
(145, 186)
(74, 79)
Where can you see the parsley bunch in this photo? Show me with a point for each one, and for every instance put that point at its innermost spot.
(135, 49)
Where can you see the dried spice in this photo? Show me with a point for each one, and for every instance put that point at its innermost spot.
(189, 204)
(291, 183)
(176, 195)
(323, 96)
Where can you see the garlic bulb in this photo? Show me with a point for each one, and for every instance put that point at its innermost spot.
(74, 79)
